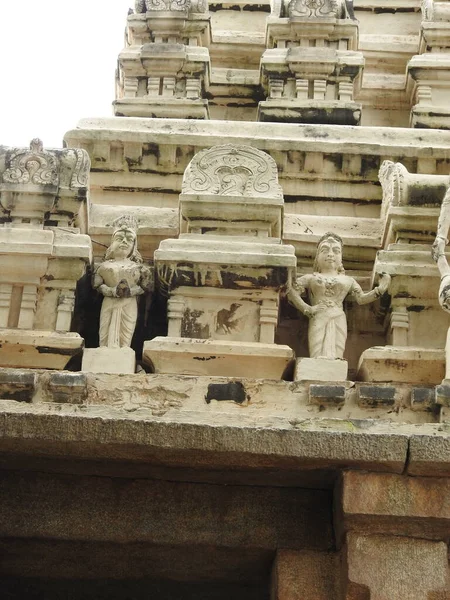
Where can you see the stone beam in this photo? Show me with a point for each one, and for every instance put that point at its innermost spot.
(99, 509)
(205, 439)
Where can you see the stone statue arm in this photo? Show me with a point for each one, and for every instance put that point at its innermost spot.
(367, 297)
(294, 295)
(99, 285)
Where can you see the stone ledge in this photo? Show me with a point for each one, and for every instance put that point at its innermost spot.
(210, 440)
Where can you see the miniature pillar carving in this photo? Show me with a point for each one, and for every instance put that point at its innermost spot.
(399, 326)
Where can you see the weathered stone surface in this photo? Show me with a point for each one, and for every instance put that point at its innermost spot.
(305, 576)
(394, 505)
(333, 395)
(320, 369)
(372, 396)
(394, 364)
(17, 385)
(109, 360)
(430, 455)
(395, 568)
(168, 513)
(68, 387)
(201, 437)
(187, 356)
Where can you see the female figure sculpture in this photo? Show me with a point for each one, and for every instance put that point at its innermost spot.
(121, 278)
(328, 286)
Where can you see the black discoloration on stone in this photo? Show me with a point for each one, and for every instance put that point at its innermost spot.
(17, 385)
(416, 308)
(61, 351)
(232, 391)
(376, 395)
(443, 395)
(423, 398)
(327, 394)
(190, 326)
(70, 388)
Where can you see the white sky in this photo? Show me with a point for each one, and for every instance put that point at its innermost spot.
(57, 65)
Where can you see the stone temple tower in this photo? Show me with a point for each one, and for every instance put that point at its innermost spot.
(224, 349)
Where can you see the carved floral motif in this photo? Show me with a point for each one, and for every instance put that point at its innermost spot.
(232, 171)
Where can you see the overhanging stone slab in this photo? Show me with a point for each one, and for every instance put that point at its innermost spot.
(204, 439)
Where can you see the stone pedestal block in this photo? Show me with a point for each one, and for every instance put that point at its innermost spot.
(397, 364)
(320, 369)
(109, 360)
(38, 349)
(187, 356)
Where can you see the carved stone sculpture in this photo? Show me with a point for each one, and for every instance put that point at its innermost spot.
(438, 254)
(328, 286)
(121, 278)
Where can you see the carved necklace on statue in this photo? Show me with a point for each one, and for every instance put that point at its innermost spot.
(329, 283)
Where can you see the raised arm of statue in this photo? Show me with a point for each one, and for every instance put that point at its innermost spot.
(368, 297)
(438, 248)
(328, 286)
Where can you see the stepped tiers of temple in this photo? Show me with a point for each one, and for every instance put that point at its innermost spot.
(224, 314)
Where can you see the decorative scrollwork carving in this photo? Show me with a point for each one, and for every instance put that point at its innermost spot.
(232, 171)
(34, 165)
(314, 8)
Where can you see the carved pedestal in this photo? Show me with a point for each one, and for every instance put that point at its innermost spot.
(320, 369)
(121, 361)
(223, 275)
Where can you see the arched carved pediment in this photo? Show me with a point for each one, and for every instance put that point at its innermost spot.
(232, 171)
(68, 168)
(34, 165)
(317, 8)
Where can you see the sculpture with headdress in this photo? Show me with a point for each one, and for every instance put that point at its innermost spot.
(327, 288)
(121, 278)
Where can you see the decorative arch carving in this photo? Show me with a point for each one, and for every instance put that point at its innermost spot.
(34, 165)
(316, 8)
(232, 171)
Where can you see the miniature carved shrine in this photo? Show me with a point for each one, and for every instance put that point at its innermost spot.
(224, 314)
